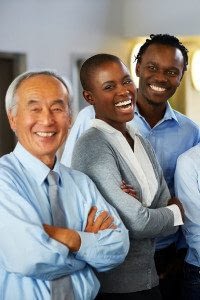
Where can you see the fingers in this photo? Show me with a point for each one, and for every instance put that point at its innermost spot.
(127, 188)
(101, 222)
(124, 185)
(103, 216)
(130, 192)
(107, 223)
(91, 216)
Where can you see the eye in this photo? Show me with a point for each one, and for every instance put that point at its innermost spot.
(35, 109)
(57, 109)
(152, 68)
(128, 81)
(172, 72)
(108, 87)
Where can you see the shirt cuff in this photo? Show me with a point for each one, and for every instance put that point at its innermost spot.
(88, 245)
(177, 214)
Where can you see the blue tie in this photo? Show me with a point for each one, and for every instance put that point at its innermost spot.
(61, 288)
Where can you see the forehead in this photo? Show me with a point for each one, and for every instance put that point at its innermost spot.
(163, 54)
(42, 86)
(110, 71)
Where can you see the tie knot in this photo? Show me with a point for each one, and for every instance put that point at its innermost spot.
(52, 178)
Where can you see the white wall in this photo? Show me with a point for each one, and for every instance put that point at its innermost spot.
(52, 32)
(178, 17)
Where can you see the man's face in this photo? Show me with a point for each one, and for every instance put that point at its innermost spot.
(160, 72)
(42, 119)
(112, 93)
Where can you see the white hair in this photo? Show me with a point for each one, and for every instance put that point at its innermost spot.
(10, 100)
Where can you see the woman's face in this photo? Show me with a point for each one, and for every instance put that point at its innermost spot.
(112, 93)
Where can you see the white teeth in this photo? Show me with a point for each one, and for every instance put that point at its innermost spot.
(45, 134)
(157, 88)
(122, 103)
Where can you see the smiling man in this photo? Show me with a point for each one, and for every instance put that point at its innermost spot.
(52, 233)
(161, 63)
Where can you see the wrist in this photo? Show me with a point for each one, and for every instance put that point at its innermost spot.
(72, 240)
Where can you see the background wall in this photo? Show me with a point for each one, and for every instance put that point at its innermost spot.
(54, 34)
(178, 17)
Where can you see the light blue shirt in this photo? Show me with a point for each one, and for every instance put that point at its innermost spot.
(187, 187)
(170, 137)
(81, 124)
(29, 259)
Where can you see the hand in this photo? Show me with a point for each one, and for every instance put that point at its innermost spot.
(102, 222)
(68, 237)
(127, 188)
(176, 201)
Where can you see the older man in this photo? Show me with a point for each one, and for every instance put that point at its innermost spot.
(47, 246)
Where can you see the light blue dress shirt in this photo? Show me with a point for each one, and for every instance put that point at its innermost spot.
(187, 186)
(170, 137)
(29, 259)
(81, 124)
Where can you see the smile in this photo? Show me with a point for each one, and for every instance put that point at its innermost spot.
(45, 134)
(124, 104)
(157, 88)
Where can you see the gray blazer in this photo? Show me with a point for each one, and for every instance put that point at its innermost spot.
(96, 157)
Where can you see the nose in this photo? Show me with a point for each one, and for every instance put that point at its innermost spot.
(160, 76)
(123, 90)
(46, 117)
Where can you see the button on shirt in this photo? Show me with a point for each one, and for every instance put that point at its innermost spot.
(29, 259)
(170, 137)
(187, 185)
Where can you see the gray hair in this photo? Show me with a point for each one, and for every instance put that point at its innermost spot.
(10, 100)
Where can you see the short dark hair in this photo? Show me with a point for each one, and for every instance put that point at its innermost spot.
(164, 39)
(90, 65)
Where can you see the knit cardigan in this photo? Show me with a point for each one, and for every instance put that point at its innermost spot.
(95, 156)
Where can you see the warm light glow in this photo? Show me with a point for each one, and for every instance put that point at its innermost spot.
(195, 70)
(134, 53)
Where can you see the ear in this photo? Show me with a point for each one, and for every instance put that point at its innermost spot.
(137, 69)
(70, 121)
(183, 72)
(88, 97)
(12, 121)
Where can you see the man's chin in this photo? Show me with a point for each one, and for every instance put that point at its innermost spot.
(156, 103)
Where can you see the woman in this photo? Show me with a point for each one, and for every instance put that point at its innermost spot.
(111, 151)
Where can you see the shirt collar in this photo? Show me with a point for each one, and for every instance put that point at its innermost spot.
(169, 113)
(103, 126)
(97, 123)
(35, 167)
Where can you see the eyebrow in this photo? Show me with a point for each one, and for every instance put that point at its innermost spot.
(111, 81)
(155, 63)
(57, 101)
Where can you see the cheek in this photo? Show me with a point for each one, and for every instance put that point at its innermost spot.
(64, 123)
(23, 121)
(176, 83)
